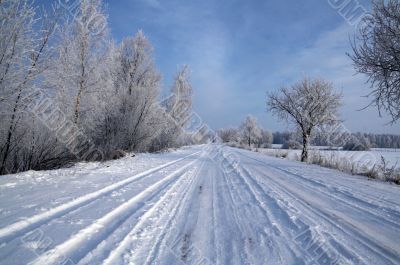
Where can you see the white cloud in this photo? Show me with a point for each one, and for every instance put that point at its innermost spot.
(327, 58)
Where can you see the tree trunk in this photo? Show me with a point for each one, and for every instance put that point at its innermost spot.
(9, 134)
(7, 148)
(304, 153)
(77, 106)
(81, 82)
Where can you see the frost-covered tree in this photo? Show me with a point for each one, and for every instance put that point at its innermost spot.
(78, 80)
(229, 135)
(250, 130)
(23, 53)
(177, 112)
(79, 71)
(376, 53)
(132, 120)
(169, 132)
(265, 139)
(179, 105)
(64, 95)
(308, 104)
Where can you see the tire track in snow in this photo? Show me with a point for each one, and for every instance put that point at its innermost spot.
(373, 244)
(331, 191)
(233, 207)
(19, 228)
(152, 220)
(347, 231)
(180, 243)
(276, 233)
(370, 209)
(387, 254)
(88, 238)
(245, 204)
(229, 220)
(216, 240)
(186, 223)
(278, 188)
(160, 242)
(304, 224)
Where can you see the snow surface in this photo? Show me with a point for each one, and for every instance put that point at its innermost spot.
(206, 204)
(372, 157)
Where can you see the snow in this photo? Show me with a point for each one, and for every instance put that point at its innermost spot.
(206, 204)
(392, 156)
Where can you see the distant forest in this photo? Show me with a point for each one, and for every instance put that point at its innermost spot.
(370, 139)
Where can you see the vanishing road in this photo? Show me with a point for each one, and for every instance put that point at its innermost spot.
(206, 204)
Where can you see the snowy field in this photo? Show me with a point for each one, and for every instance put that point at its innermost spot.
(198, 205)
(392, 156)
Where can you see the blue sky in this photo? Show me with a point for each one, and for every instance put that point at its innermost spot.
(238, 50)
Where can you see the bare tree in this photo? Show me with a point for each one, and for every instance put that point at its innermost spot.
(376, 53)
(250, 130)
(308, 104)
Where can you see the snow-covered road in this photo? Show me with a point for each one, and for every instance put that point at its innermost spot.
(199, 205)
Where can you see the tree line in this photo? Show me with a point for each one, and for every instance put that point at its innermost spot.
(251, 134)
(248, 134)
(70, 92)
(371, 140)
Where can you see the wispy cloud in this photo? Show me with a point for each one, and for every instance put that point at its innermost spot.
(327, 58)
(238, 50)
